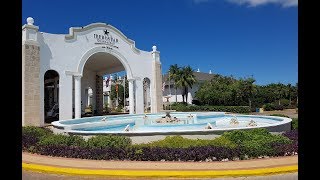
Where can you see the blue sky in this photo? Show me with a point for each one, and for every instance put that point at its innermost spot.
(242, 38)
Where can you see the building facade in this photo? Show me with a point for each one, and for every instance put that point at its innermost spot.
(61, 68)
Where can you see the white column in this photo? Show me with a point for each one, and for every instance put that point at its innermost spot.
(65, 97)
(88, 97)
(131, 96)
(139, 96)
(156, 82)
(77, 96)
(109, 99)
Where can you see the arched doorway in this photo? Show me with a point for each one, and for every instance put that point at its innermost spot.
(146, 95)
(51, 96)
(100, 74)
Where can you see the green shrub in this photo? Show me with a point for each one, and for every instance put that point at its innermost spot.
(278, 107)
(180, 142)
(171, 142)
(294, 123)
(60, 139)
(35, 131)
(103, 141)
(189, 108)
(268, 107)
(280, 115)
(222, 142)
(285, 102)
(256, 142)
(272, 107)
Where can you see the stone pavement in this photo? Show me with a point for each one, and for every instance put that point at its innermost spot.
(76, 168)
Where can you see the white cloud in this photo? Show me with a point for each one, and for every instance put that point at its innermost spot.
(254, 3)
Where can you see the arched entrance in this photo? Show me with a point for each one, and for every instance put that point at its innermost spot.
(51, 96)
(105, 74)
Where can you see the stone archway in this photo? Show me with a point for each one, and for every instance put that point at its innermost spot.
(94, 64)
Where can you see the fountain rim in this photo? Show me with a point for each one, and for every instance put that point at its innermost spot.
(284, 120)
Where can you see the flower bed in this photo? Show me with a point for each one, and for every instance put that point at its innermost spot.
(233, 145)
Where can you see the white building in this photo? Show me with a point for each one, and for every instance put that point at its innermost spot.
(170, 92)
(61, 68)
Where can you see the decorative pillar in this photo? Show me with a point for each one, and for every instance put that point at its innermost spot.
(66, 96)
(32, 100)
(109, 100)
(77, 96)
(156, 82)
(99, 94)
(88, 97)
(131, 96)
(139, 96)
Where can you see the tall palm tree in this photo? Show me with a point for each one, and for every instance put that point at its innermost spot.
(173, 73)
(185, 79)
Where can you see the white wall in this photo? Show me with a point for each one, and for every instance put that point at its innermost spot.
(191, 94)
(68, 56)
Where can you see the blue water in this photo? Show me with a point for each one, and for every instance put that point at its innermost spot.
(107, 128)
(199, 122)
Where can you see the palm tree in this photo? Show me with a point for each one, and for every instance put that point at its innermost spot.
(173, 72)
(250, 89)
(185, 79)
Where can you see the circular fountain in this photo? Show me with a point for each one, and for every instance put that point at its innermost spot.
(192, 123)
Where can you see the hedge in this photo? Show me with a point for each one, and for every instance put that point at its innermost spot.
(180, 142)
(189, 108)
(208, 153)
(256, 142)
(60, 139)
(102, 141)
(238, 144)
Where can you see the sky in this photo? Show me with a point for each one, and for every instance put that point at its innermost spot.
(243, 38)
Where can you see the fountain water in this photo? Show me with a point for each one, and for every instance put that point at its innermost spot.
(252, 123)
(127, 128)
(209, 126)
(234, 120)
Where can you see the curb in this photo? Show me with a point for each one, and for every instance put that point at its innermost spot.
(159, 173)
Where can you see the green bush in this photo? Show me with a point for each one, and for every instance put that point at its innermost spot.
(35, 131)
(294, 123)
(180, 142)
(172, 142)
(256, 142)
(272, 107)
(280, 115)
(103, 141)
(222, 142)
(190, 108)
(60, 139)
(285, 102)
(278, 107)
(268, 107)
